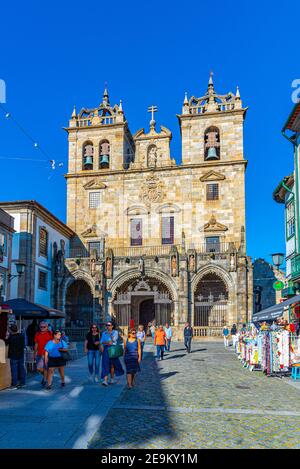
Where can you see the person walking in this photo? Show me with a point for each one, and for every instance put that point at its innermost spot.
(54, 359)
(110, 366)
(142, 337)
(152, 329)
(188, 335)
(132, 356)
(225, 336)
(160, 340)
(168, 331)
(30, 333)
(233, 333)
(41, 338)
(92, 349)
(16, 344)
(65, 337)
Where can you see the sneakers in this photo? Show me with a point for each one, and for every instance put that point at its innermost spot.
(105, 383)
(96, 379)
(48, 387)
(43, 382)
(12, 388)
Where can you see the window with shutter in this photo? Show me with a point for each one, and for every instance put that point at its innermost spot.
(43, 242)
(212, 192)
(136, 236)
(168, 230)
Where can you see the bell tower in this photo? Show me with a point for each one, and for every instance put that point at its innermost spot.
(100, 143)
(212, 127)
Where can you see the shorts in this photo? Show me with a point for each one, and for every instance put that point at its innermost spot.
(40, 362)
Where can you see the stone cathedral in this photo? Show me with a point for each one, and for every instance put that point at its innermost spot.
(156, 239)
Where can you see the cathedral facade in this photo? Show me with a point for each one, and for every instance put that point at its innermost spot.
(156, 239)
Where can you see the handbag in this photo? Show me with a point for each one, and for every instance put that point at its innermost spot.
(115, 351)
(65, 355)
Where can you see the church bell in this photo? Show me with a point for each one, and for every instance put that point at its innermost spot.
(212, 154)
(104, 160)
(88, 161)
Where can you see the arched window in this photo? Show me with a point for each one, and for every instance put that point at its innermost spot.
(87, 155)
(212, 144)
(104, 154)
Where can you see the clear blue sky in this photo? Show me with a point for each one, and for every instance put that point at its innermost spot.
(59, 54)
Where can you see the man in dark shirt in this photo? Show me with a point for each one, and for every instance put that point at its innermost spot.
(188, 334)
(16, 344)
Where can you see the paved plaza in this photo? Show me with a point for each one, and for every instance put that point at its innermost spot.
(205, 399)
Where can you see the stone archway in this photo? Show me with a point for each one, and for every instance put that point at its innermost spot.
(79, 305)
(213, 291)
(135, 291)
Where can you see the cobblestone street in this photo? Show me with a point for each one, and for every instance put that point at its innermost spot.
(205, 399)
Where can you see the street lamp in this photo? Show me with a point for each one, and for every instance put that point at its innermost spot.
(277, 259)
(20, 267)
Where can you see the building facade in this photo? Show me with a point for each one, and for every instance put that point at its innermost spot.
(41, 242)
(287, 193)
(6, 235)
(155, 239)
(264, 276)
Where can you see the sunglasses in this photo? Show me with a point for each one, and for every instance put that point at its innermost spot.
(108, 325)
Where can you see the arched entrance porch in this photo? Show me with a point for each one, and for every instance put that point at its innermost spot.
(79, 305)
(142, 299)
(211, 305)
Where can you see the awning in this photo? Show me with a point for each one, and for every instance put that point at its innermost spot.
(274, 311)
(25, 309)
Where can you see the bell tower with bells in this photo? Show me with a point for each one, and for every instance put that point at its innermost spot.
(212, 128)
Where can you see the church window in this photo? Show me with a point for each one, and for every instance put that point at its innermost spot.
(212, 144)
(87, 156)
(212, 192)
(94, 246)
(43, 277)
(168, 230)
(212, 243)
(290, 220)
(104, 154)
(94, 199)
(43, 242)
(136, 236)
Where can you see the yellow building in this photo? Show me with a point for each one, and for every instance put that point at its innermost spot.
(156, 239)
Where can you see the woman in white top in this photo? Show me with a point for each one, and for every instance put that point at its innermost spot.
(110, 366)
(142, 336)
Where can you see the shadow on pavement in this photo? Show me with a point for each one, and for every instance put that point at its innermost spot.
(174, 356)
(129, 423)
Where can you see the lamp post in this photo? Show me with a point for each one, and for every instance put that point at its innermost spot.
(20, 267)
(277, 259)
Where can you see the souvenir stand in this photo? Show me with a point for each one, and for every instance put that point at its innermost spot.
(6, 317)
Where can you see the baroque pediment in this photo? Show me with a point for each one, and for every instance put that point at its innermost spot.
(94, 184)
(214, 225)
(90, 232)
(212, 176)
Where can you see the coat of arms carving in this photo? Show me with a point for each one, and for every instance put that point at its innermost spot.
(152, 190)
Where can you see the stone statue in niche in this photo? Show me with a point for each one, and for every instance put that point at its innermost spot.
(108, 267)
(232, 261)
(192, 263)
(174, 265)
(60, 258)
(152, 156)
(141, 265)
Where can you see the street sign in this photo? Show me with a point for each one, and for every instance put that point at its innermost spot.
(278, 285)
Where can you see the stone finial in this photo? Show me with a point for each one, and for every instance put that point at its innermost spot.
(237, 94)
(74, 115)
(237, 99)
(186, 101)
(152, 109)
(120, 106)
(105, 99)
(210, 81)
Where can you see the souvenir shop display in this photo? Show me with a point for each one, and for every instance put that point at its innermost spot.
(271, 349)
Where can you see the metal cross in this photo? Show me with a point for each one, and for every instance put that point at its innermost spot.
(152, 109)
